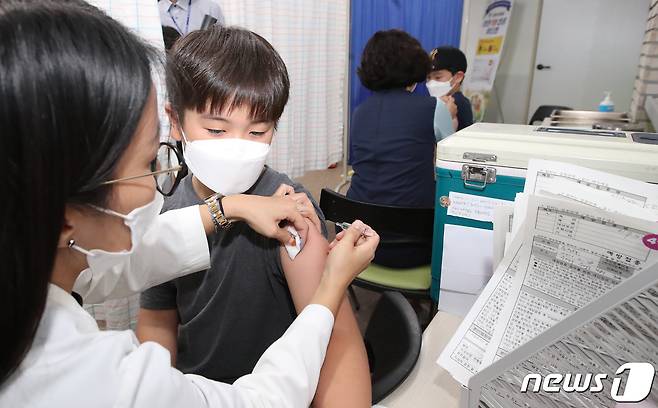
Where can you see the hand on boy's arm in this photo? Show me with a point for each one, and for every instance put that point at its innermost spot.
(306, 209)
(265, 215)
(345, 375)
(303, 204)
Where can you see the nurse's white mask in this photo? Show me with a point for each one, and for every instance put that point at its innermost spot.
(138, 221)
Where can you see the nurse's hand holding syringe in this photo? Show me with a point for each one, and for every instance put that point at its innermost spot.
(349, 254)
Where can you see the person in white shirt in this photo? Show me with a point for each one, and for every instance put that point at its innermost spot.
(188, 15)
(80, 213)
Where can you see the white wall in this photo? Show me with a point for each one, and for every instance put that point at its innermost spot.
(514, 77)
(592, 46)
(310, 132)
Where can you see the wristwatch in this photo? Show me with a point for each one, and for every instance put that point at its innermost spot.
(214, 203)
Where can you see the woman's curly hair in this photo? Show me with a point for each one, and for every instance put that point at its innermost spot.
(393, 59)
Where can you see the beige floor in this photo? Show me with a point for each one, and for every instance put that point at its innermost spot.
(315, 181)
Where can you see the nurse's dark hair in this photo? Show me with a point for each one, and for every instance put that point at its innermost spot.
(73, 84)
(393, 59)
(224, 68)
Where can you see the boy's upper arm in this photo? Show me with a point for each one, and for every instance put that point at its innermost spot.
(304, 272)
(159, 297)
(160, 326)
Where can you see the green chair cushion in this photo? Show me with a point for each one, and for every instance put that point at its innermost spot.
(418, 278)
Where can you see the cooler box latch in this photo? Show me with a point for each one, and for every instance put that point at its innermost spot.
(477, 177)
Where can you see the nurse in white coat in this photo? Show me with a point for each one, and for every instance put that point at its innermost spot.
(78, 113)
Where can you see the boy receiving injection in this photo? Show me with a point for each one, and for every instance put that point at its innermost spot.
(228, 88)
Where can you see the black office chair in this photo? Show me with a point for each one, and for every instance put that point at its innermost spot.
(392, 339)
(410, 226)
(545, 111)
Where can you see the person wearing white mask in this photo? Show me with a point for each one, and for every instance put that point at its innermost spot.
(218, 322)
(446, 78)
(81, 204)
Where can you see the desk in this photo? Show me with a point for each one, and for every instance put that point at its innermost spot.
(429, 385)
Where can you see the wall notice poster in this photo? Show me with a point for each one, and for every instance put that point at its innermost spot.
(479, 82)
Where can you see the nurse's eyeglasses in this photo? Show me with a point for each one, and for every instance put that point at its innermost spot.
(168, 168)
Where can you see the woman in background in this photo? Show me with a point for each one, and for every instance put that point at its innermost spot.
(393, 135)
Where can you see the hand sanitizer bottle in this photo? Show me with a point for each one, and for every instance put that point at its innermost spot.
(607, 105)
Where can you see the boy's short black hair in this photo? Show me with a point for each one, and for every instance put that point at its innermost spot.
(393, 59)
(448, 58)
(225, 68)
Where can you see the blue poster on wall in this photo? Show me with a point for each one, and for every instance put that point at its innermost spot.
(432, 22)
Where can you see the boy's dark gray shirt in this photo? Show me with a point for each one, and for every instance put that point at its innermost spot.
(230, 313)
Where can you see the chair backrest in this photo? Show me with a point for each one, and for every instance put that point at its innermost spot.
(545, 111)
(393, 338)
(415, 224)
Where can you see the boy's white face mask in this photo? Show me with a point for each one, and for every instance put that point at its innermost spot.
(226, 166)
(438, 88)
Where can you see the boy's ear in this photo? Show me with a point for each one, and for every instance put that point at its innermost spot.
(174, 129)
(460, 77)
